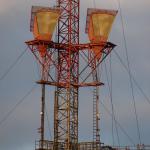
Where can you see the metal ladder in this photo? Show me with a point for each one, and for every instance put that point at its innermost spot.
(96, 118)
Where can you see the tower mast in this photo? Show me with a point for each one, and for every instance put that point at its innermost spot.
(59, 63)
(66, 98)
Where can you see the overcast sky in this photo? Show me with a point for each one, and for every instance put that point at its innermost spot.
(19, 130)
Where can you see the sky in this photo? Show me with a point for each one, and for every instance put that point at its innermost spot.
(19, 130)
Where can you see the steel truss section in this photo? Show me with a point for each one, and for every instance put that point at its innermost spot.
(96, 114)
(67, 83)
(60, 65)
(66, 98)
(62, 57)
(50, 62)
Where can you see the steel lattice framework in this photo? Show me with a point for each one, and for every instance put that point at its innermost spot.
(60, 68)
(66, 94)
(66, 99)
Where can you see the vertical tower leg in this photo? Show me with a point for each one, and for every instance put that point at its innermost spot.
(42, 115)
(96, 115)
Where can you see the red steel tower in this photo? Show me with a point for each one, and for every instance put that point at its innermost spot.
(66, 97)
(61, 67)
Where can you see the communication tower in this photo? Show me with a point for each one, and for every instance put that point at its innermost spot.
(60, 63)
